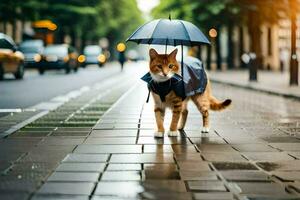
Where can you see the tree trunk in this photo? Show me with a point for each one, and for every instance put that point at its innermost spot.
(208, 58)
(255, 37)
(230, 63)
(218, 49)
(241, 46)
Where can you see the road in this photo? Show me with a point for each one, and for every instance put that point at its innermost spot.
(35, 88)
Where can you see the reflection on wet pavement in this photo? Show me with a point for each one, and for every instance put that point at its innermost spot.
(252, 151)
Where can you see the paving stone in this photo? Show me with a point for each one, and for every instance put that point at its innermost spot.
(59, 197)
(165, 140)
(161, 171)
(287, 175)
(74, 177)
(254, 148)
(166, 195)
(113, 133)
(234, 166)
(207, 140)
(245, 175)
(215, 148)
(213, 196)
(242, 140)
(164, 185)
(188, 175)
(267, 156)
(271, 189)
(286, 146)
(161, 166)
(281, 139)
(195, 157)
(124, 167)
(205, 186)
(184, 149)
(292, 165)
(94, 158)
(44, 156)
(158, 148)
(142, 158)
(121, 176)
(219, 156)
(61, 141)
(30, 134)
(193, 166)
(70, 133)
(295, 154)
(122, 189)
(108, 149)
(110, 140)
(81, 167)
(85, 188)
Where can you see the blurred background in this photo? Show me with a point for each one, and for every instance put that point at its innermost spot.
(246, 35)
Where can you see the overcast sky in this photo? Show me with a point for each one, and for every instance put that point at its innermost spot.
(146, 5)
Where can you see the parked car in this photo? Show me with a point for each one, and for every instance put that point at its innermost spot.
(32, 50)
(11, 60)
(59, 56)
(92, 54)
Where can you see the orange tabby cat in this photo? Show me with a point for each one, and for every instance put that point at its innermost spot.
(162, 68)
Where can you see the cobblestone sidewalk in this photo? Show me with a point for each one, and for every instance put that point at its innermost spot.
(252, 151)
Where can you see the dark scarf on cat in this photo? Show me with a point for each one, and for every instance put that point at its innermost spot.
(175, 84)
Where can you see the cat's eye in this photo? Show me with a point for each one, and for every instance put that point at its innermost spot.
(159, 66)
(171, 66)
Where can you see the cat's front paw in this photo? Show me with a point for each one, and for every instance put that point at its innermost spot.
(172, 133)
(205, 130)
(158, 134)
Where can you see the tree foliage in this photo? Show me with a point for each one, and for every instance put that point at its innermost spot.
(90, 19)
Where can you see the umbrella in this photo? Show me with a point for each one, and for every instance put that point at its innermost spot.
(169, 32)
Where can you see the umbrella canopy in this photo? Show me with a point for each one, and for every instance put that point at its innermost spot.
(169, 32)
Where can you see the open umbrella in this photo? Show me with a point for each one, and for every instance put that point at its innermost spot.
(169, 32)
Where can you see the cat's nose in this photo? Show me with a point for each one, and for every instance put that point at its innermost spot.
(165, 74)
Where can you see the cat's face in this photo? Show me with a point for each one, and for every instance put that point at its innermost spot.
(163, 66)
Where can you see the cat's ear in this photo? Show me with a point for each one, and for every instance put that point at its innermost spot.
(173, 53)
(152, 53)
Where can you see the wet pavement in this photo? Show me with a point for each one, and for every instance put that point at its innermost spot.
(251, 152)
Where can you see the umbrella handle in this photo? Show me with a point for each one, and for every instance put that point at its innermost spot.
(166, 48)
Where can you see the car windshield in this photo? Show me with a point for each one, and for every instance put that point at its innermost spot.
(56, 50)
(92, 50)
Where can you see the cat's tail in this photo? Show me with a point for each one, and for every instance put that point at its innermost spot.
(217, 105)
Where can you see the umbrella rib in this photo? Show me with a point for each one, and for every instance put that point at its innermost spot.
(186, 32)
(154, 30)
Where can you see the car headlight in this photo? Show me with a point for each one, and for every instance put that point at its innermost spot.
(37, 57)
(81, 58)
(101, 58)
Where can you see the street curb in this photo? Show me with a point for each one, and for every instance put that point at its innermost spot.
(254, 88)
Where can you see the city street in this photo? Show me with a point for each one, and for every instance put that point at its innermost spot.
(69, 154)
(35, 88)
(92, 100)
